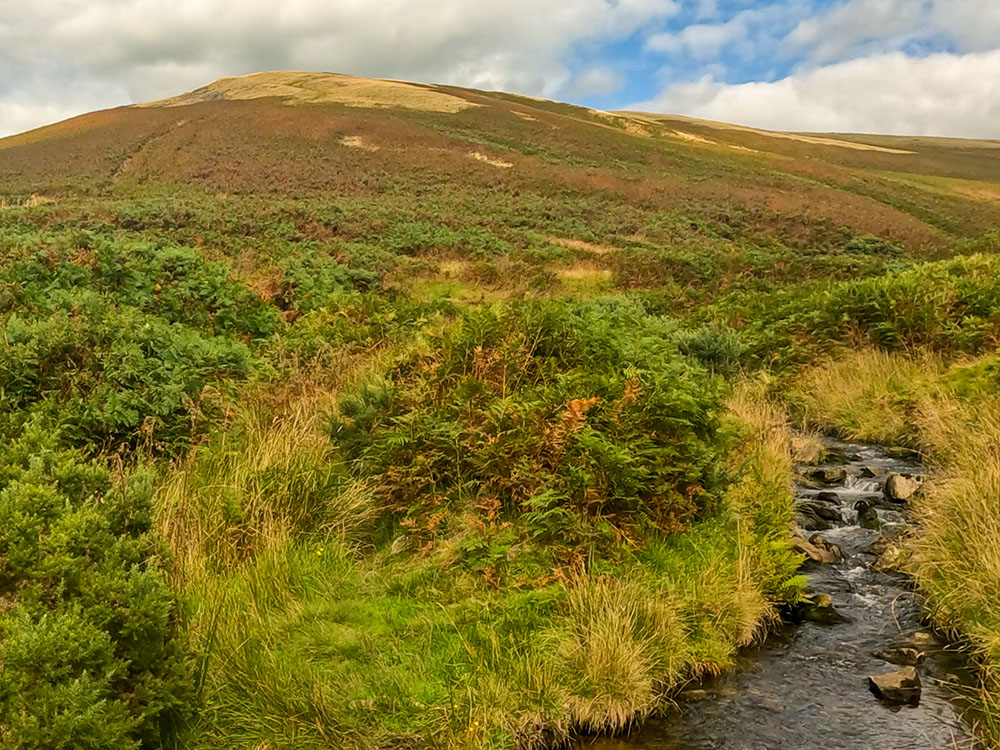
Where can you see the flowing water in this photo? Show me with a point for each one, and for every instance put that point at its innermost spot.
(807, 686)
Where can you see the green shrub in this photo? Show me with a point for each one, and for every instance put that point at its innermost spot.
(574, 422)
(87, 622)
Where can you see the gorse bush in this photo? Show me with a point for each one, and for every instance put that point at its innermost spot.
(122, 345)
(568, 423)
(87, 618)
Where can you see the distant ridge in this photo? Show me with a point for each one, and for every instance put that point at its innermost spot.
(298, 87)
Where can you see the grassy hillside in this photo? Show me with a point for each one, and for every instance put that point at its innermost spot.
(354, 413)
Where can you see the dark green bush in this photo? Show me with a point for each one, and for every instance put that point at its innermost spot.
(86, 616)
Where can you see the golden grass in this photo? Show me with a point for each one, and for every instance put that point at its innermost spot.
(812, 139)
(318, 88)
(356, 141)
(866, 395)
(691, 137)
(589, 247)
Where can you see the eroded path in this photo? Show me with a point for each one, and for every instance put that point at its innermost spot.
(807, 687)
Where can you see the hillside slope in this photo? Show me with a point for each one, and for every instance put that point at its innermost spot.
(308, 134)
(350, 413)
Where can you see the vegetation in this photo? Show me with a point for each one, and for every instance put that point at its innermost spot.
(344, 434)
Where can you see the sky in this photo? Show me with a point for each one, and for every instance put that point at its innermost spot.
(920, 67)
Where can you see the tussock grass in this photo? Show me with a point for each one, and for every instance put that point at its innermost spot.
(866, 395)
(951, 415)
(309, 638)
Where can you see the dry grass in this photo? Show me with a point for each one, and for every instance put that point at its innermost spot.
(866, 395)
(319, 88)
(802, 138)
(492, 161)
(956, 556)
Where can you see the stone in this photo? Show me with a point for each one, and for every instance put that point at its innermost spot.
(901, 453)
(826, 496)
(696, 694)
(827, 475)
(879, 545)
(867, 472)
(814, 552)
(899, 488)
(901, 655)
(867, 516)
(890, 560)
(899, 687)
(823, 510)
(922, 640)
(820, 610)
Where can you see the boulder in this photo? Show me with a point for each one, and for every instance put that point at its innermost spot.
(816, 516)
(867, 516)
(826, 496)
(901, 655)
(901, 686)
(820, 610)
(899, 488)
(827, 475)
(818, 551)
(867, 472)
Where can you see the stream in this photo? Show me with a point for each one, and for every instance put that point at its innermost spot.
(807, 685)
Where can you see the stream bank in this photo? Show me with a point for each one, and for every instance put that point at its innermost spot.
(808, 684)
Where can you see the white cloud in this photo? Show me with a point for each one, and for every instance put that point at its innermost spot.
(746, 34)
(858, 27)
(134, 50)
(598, 81)
(943, 94)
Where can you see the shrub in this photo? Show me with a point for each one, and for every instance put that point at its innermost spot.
(87, 622)
(572, 422)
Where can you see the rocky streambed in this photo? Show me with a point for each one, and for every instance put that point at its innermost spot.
(856, 668)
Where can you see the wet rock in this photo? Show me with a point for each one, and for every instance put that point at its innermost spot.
(820, 610)
(901, 453)
(826, 496)
(867, 472)
(817, 549)
(867, 516)
(696, 694)
(827, 475)
(836, 456)
(879, 545)
(823, 510)
(814, 516)
(899, 488)
(891, 560)
(901, 686)
(921, 640)
(817, 540)
(902, 655)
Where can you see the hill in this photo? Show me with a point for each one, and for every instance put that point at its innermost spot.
(360, 413)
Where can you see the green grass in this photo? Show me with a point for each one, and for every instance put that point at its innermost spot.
(314, 638)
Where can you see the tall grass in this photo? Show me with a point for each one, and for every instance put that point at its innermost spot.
(310, 639)
(867, 395)
(952, 416)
